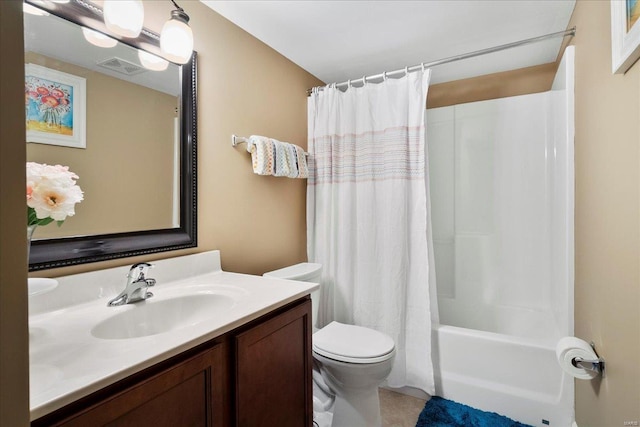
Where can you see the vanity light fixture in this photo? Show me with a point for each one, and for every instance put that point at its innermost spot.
(151, 61)
(176, 38)
(124, 17)
(98, 39)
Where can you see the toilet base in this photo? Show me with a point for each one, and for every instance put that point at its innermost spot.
(322, 419)
(355, 388)
(357, 409)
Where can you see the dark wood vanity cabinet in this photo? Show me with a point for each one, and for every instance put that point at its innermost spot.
(273, 371)
(256, 375)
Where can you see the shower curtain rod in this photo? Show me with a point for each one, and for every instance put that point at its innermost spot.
(570, 32)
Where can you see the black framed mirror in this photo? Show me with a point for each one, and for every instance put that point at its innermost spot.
(181, 233)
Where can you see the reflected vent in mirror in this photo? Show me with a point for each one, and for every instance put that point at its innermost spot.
(122, 66)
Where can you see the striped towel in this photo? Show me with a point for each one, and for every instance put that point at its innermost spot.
(281, 159)
(303, 170)
(261, 149)
(293, 160)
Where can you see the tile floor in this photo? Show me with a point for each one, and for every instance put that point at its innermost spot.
(399, 410)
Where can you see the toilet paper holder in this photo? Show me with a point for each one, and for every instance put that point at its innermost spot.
(590, 365)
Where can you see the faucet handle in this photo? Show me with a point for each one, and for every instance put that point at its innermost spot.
(140, 268)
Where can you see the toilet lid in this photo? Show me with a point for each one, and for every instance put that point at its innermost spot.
(352, 344)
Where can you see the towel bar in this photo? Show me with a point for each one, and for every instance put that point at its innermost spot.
(235, 140)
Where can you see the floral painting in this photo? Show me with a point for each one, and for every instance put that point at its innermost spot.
(633, 12)
(54, 107)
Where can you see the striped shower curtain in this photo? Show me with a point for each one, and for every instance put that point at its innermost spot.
(367, 215)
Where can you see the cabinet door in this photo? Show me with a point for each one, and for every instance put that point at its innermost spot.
(273, 371)
(190, 393)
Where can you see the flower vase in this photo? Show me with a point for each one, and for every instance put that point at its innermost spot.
(30, 230)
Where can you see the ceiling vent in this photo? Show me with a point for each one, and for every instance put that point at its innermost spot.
(122, 66)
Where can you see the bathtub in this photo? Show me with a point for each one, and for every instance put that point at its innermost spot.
(513, 376)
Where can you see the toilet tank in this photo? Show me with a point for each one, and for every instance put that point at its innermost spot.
(304, 272)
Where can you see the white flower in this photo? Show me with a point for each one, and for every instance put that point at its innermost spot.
(52, 191)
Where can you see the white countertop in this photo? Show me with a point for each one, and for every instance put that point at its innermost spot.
(67, 362)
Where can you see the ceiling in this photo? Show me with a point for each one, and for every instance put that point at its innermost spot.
(340, 40)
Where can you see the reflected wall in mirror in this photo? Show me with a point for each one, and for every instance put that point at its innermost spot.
(138, 168)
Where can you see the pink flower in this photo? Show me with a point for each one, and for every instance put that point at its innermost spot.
(52, 191)
(50, 101)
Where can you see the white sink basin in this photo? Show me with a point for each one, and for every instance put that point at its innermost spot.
(152, 317)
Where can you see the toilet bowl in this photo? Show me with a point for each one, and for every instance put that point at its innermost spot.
(352, 362)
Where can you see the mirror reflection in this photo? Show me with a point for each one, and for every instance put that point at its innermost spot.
(128, 162)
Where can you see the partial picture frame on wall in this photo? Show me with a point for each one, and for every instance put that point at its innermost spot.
(625, 34)
(55, 107)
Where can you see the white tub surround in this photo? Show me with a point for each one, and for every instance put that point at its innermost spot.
(68, 362)
(502, 195)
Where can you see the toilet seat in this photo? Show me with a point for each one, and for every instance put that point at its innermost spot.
(352, 344)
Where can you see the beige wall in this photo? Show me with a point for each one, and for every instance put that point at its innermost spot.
(129, 155)
(14, 354)
(607, 220)
(246, 88)
(498, 85)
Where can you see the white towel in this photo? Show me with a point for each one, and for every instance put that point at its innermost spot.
(261, 149)
(303, 170)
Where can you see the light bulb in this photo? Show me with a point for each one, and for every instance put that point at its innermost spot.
(152, 62)
(176, 38)
(124, 17)
(98, 39)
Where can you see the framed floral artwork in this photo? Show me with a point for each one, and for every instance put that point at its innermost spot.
(625, 34)
(55, 107)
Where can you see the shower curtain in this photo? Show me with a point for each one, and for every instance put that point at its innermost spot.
(367, 215)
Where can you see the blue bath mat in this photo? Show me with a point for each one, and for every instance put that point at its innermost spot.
(439, 412)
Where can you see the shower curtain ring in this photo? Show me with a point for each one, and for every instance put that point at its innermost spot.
(423, 67)
(349, 83)
(364, 80)
(406, 70)
(384, 76)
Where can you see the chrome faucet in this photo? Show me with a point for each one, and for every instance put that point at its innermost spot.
(137, 286)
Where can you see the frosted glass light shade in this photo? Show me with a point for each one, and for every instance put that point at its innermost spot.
(124, 17)
(176, 38)
(98, 39)
(152, 62)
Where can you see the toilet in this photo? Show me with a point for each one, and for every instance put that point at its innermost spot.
(350, 363)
